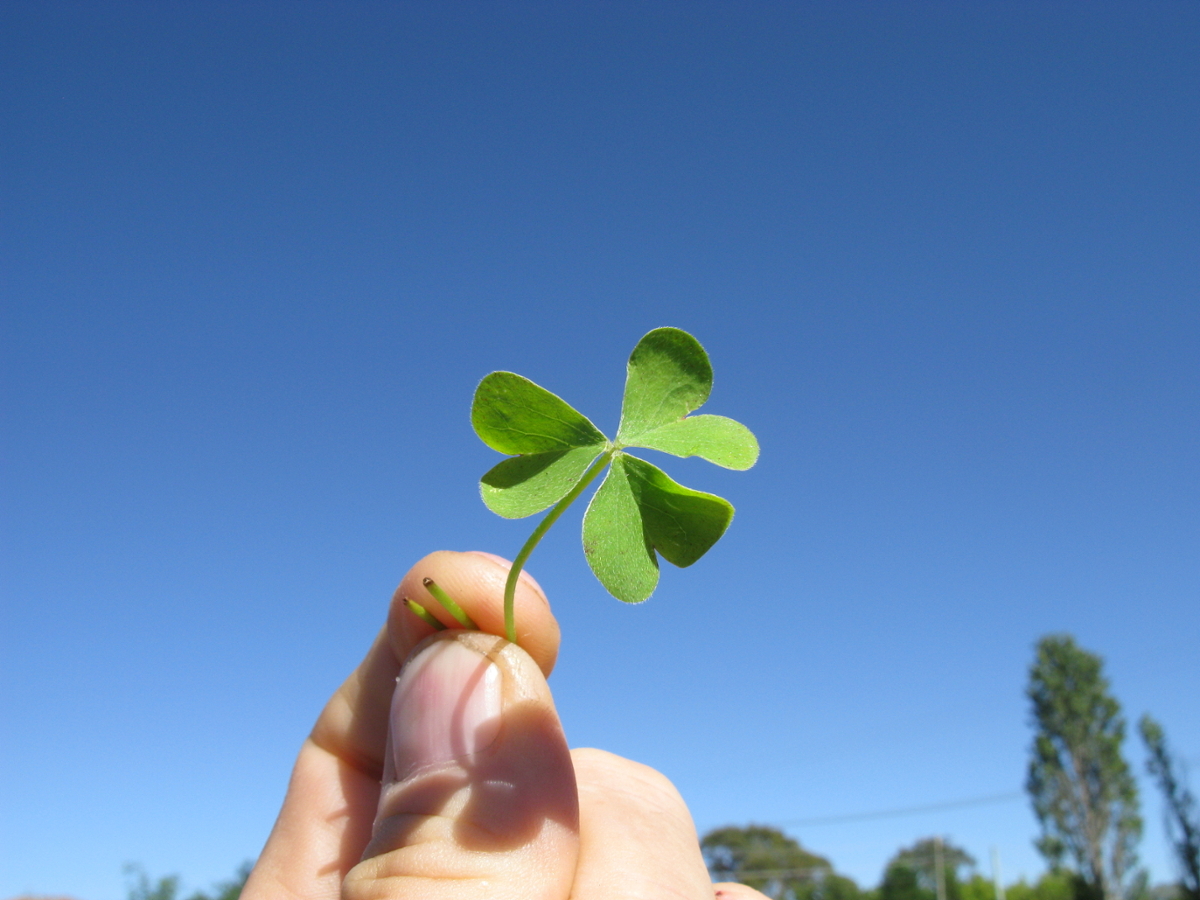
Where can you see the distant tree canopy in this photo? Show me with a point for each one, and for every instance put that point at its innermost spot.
(141, 887)
(1056, 884)
(1182, 815)
(976, 887)
(768, 860)
(912, 874)
(1083, 793)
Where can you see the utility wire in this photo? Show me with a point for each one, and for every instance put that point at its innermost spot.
(905, 811)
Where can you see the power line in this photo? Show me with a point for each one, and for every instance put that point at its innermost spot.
(905, 811)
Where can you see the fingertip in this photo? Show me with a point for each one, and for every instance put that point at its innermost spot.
(506, 565)
(475, 580)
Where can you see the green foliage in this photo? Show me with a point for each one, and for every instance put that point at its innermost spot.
(901, 882)
(1057, 884)
(1181, 814)
(977, 888)
(639, 510)
(638, 513)
(140, 886)
(912, 874)
(1082, 791)
(768, 860)
(834, 887)
(230, 889)
(513, 415)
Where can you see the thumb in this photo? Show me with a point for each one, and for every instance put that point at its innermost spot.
(478, 798)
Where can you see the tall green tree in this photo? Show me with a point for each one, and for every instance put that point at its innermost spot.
(1083, 793)
(1183, 819)
(768, 860)
(913, 873)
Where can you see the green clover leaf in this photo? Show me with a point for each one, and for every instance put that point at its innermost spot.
(555, 444)
(668, 377)
(513, 415)
(639, 510)
(638, 513)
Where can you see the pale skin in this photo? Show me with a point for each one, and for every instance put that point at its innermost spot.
(383, 806)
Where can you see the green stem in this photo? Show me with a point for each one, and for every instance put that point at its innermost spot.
(423, 614)
(510, 586)
(448, 604)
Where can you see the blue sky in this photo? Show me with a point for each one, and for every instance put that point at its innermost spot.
(255, 257)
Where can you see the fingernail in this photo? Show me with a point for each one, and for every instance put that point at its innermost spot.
(446, 708)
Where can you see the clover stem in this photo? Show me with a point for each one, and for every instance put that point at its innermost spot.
(510, 586)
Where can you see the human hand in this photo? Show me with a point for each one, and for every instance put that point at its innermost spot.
(456, 783)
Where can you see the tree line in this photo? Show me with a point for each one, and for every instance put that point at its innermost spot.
(1083, 795)
(167, 887)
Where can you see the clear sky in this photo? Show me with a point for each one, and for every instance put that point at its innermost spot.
(255, 257)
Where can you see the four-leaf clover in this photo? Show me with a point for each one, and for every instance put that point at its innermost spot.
(638, 513)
